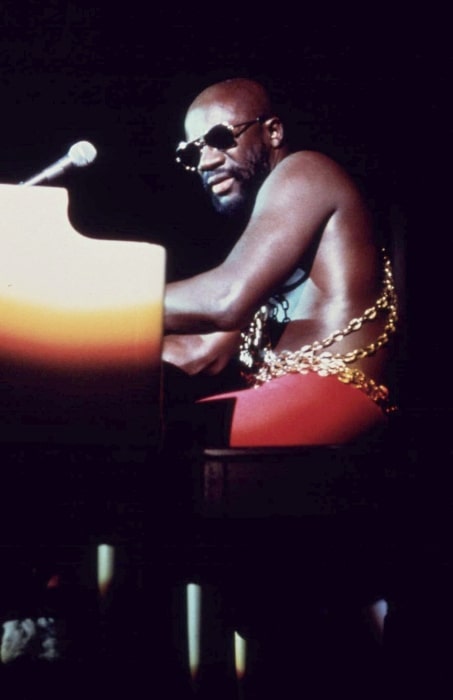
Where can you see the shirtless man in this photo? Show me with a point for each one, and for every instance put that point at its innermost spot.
(307, 261)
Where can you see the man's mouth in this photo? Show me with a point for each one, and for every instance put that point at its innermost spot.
(220, 184)
(223, 186)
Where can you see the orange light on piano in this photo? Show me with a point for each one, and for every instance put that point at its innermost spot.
(44, 335)
(70, 300)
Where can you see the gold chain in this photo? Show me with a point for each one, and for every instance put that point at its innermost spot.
(268, 365)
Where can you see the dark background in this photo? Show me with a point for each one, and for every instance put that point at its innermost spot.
(366, 87)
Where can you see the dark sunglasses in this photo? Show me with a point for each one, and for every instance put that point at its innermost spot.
(221, 136)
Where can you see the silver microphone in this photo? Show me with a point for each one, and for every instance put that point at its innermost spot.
(80, 154)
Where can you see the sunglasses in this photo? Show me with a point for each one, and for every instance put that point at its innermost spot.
(221, 136)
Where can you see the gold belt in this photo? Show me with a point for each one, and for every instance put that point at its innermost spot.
(261, 363)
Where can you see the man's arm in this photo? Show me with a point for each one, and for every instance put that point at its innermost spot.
(293, 206)
(195, 354)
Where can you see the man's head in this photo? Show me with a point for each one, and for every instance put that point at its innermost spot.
(233, 162)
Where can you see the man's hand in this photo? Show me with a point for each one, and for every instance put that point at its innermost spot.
(196, 354)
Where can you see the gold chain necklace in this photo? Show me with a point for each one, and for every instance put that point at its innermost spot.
(263, 364)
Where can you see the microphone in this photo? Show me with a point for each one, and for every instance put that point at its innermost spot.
(80, 154)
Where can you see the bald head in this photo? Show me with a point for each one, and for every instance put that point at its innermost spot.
(237, 94)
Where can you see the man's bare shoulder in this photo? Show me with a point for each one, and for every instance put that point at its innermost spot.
(310, 165)
(309, 174)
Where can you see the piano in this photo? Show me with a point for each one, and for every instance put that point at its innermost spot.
(81, 327)
(80, 358)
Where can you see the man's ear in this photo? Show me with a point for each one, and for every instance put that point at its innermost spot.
(275, 131)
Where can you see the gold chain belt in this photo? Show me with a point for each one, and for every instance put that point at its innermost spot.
(262, 364)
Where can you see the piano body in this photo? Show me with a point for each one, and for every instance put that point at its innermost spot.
(80, 353)
(81, 326)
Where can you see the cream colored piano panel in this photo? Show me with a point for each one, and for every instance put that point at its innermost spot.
(80, 320)
(65, 298)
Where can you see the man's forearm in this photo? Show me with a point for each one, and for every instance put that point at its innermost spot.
(196, 305)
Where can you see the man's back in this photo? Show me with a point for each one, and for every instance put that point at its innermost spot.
(340, 260)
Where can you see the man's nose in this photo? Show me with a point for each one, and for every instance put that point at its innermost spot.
(210, 158)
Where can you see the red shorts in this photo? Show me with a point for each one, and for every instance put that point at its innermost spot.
(300, 409)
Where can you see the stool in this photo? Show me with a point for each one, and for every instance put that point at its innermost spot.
(277, 527)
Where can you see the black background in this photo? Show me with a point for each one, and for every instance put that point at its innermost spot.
(367, 87)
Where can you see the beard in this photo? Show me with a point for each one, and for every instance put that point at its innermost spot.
(249, 179)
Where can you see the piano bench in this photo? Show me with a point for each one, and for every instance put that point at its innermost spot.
(325, 503)
(282, 537)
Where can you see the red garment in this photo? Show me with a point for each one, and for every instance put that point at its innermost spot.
(300, 409)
